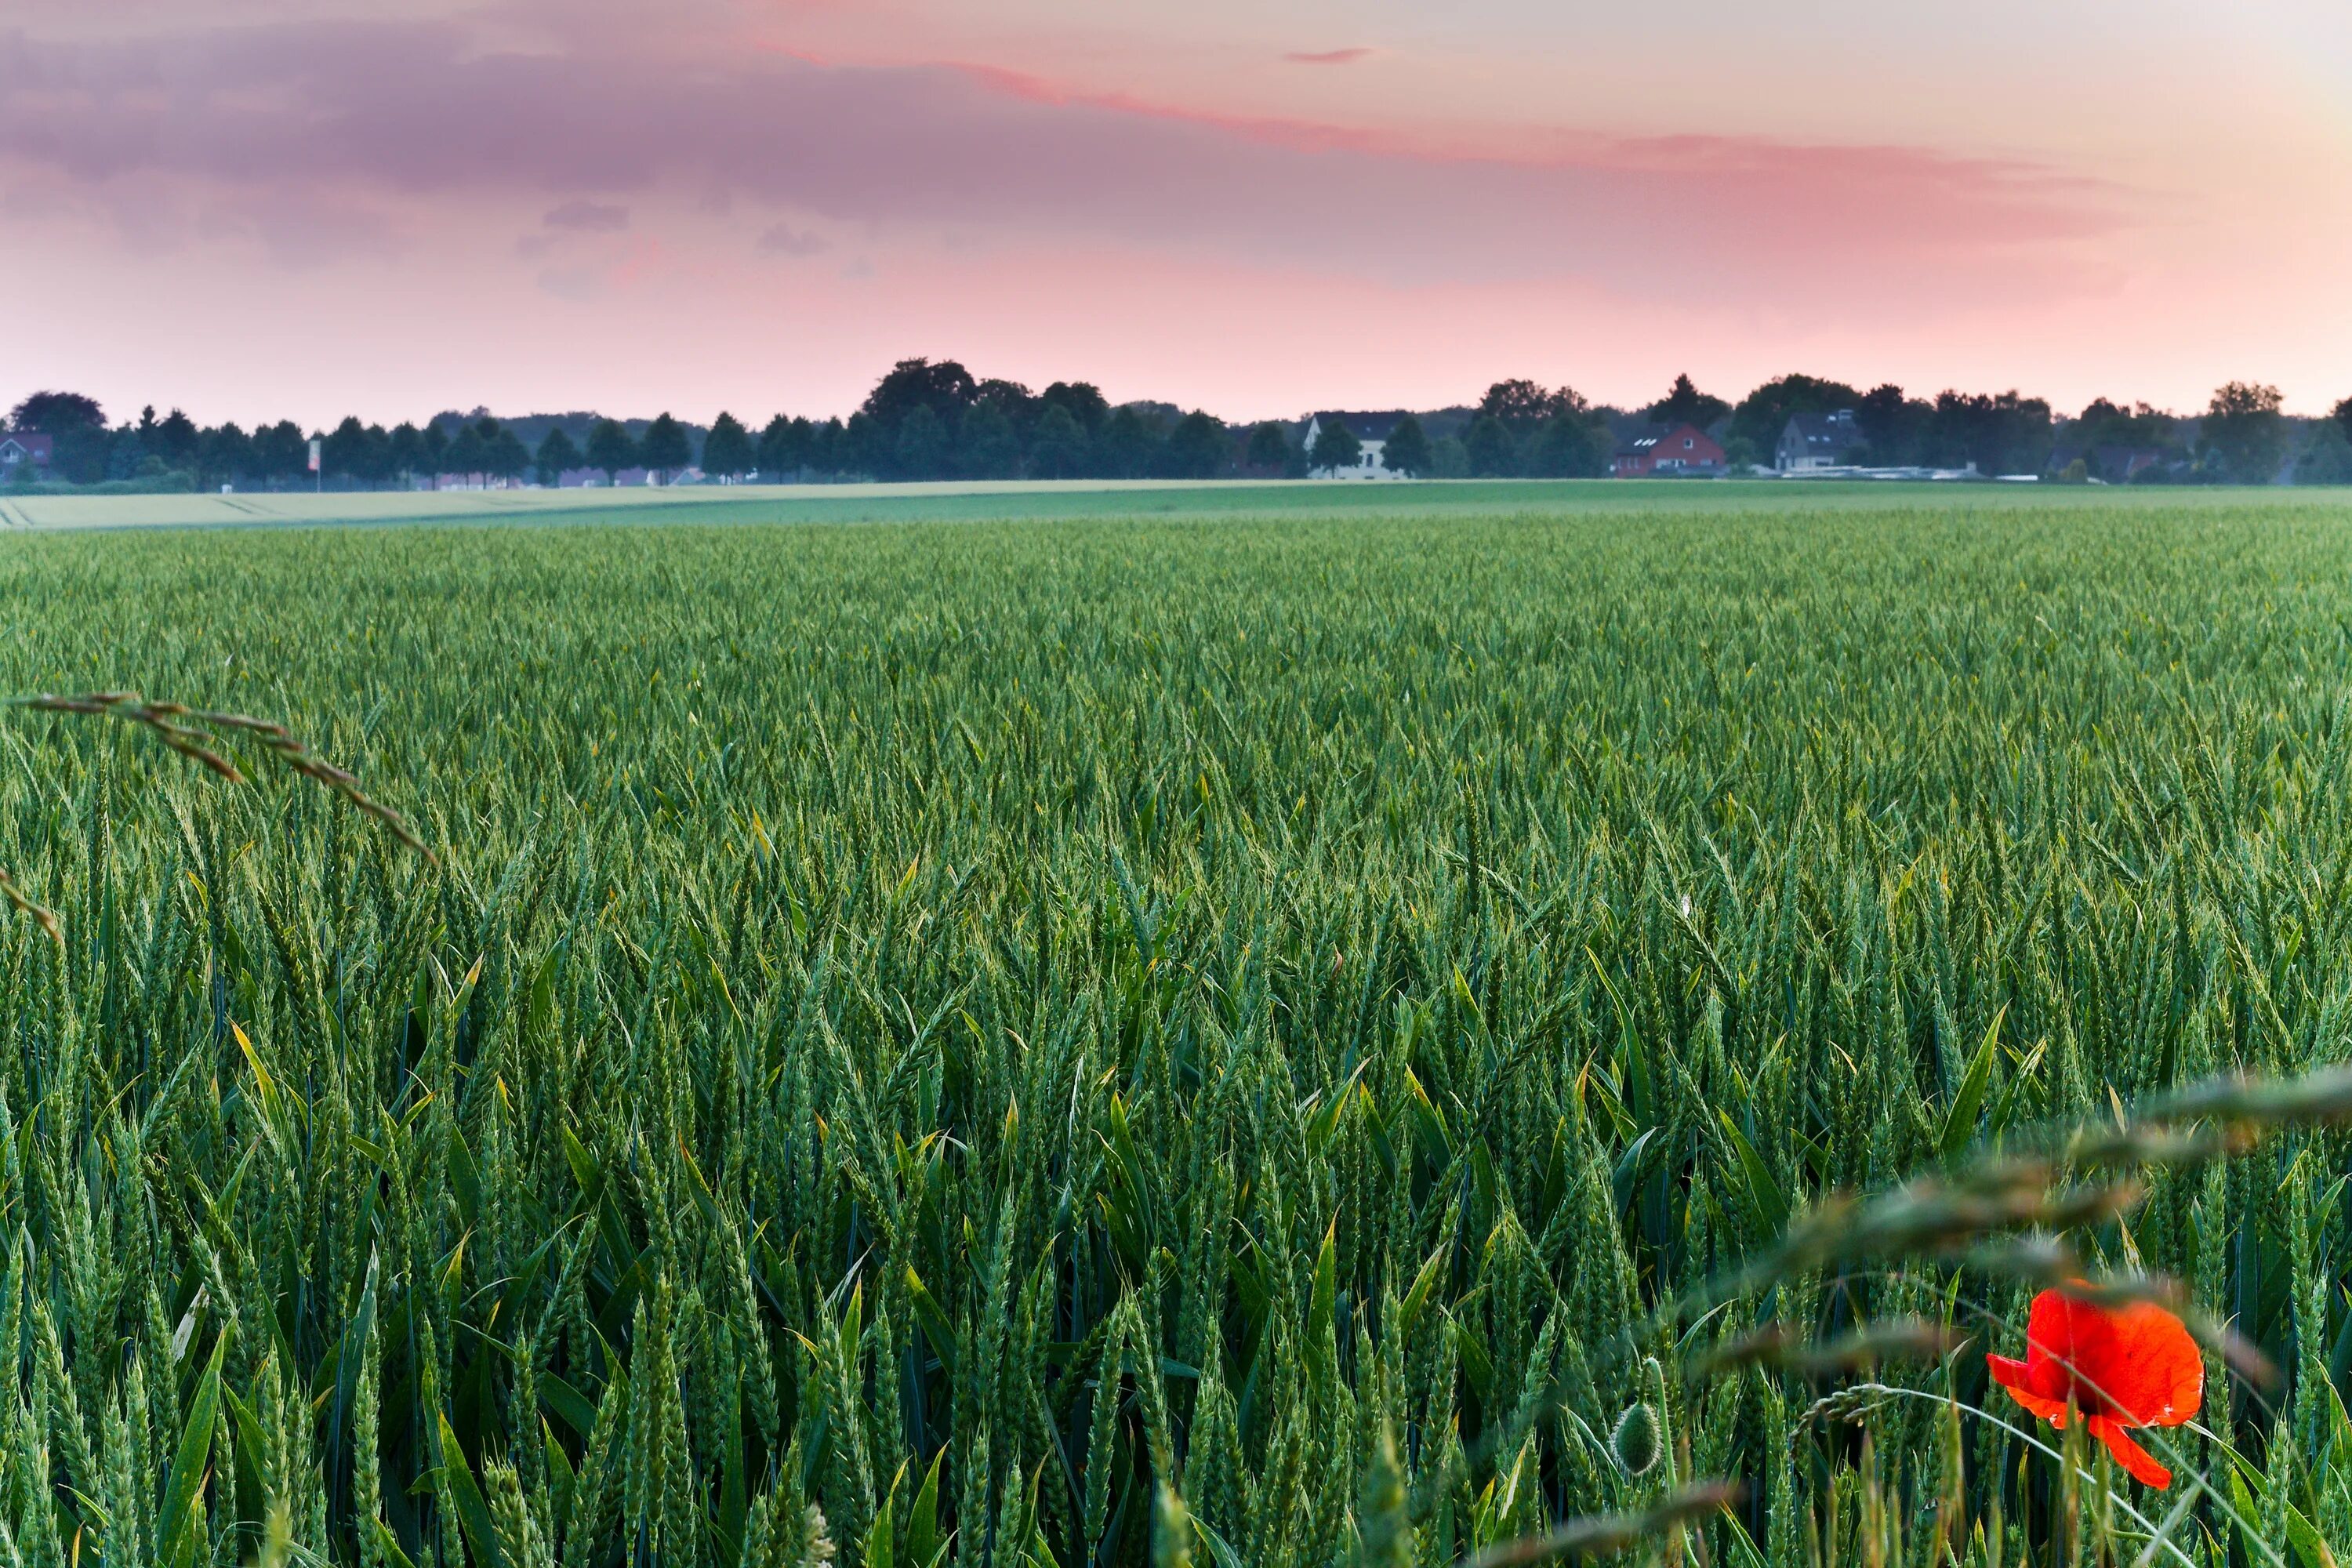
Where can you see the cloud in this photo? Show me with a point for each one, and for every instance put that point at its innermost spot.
(784, 239)
(1326, 57)
(588, 217)
(366, 114)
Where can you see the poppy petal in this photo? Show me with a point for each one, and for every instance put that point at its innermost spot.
(2159, 1379)
(2128, 1454)
(2017, 1377)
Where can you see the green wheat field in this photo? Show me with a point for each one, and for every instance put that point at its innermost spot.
(1248, 1033)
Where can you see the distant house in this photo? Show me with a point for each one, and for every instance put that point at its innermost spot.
(1370, 430)
(24, 446)
(1817, 441)
(1685, 450)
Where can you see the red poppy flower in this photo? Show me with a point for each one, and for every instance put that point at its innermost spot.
(2129, 1366)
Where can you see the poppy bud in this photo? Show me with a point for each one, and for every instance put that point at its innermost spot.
(1634, 1440)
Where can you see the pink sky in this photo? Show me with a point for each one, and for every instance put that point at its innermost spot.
(268, 208)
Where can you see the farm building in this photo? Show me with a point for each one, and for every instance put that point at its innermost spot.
(1683, 451)
(1817, 441)
(1370, 429)
(28, 447)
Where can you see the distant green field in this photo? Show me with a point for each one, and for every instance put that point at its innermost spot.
(1013, 501)
(925, 1033)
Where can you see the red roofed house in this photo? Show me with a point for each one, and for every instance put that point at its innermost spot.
(1683, 450)
(23, 447)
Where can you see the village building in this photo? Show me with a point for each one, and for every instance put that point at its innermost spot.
(1371, 432)
(1684, 451)
(23, 449)
(1817, 441)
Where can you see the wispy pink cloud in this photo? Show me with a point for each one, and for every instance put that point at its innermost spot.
(1347, 56)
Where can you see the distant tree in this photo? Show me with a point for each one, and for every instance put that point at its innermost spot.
(1523, 405)
(2244, 433)
(610, 449)
(2003, 434)
(280, 452)
(557, 455)
(1408, 449)
(1081, 400)
(1269, 447)
(1764, 413)
(2342, 414)
(664, 447)
(1488, 445)
(944, 389)
(405, 452)
(1449, 458)
(1199, 448)
(1059, 449)
(1335, 447)
(986, 444)
(55, 413)
(470, 453)
(175, 440)
(435, 441)
(1684, 403)
(1895, 426)
(508, 458)
(921, 449)
(1571, 447)
(343, 454)
(727, 451)
(224, 455)
(784, 449)
(2326, 457)
(124, 453)
(826, 446)
(1129, 444)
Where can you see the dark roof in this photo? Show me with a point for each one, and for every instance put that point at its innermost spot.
(1363, 427)
(1827, 431)
(34, 444)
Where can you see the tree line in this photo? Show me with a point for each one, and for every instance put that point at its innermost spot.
(930, 419)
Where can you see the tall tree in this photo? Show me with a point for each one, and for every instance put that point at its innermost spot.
(610, 449)
(1488, 446)
(1059, 449)
(920, 448)
(1408, 449)
(507, 457)
(784, 449)
(1684, 403)
(986, 446)
(1335, 447)
(665, 447)
(1199, 448)
(224, 455)
(55, 413)
(556, 456)
(727, 451)
(1895, 426)
(2244, 433)
(470, 453)
(1522, 405)
(1571, 447)
(1128, 443)
(175, 438)
(2342, 414)
(1269, 447)
(406, 452)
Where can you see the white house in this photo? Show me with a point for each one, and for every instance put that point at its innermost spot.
(1370, 430)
